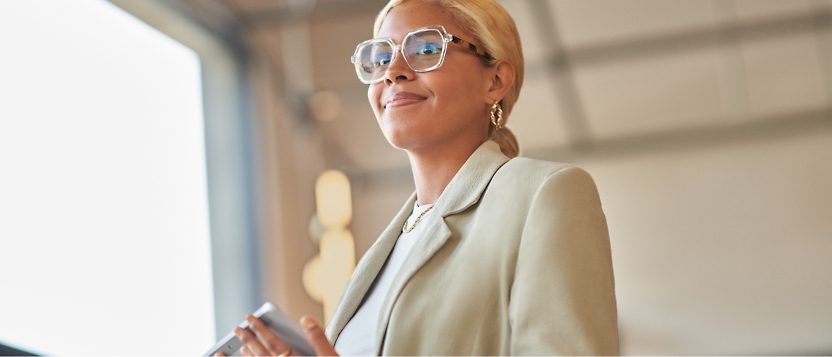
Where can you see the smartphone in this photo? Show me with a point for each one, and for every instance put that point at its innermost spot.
(286, 329)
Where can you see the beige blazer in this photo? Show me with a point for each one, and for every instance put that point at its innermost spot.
(515, 260)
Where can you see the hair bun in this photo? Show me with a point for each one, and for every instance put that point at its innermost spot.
(507, 141)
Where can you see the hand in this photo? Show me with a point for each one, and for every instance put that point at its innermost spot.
(264, 342)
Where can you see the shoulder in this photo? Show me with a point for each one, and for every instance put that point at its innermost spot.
(527, 172)
(522, 185)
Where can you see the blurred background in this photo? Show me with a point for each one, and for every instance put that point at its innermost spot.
(158, 163)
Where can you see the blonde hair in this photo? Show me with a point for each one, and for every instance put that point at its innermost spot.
(493, 30)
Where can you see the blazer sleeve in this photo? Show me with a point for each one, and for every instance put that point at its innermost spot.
(562, 299)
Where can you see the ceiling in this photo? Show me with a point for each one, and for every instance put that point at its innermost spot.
(599, 72)
(604, 78)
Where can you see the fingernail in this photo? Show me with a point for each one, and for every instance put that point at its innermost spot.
(308, 323)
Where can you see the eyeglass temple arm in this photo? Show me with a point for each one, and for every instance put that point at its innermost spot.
(461, 42)
(472, 47)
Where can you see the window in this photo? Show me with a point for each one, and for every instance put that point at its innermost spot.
(104, 234)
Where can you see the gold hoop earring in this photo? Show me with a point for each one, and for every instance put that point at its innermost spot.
(497, 115)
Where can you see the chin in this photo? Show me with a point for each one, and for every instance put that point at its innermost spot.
(398, 140)
(403, 139)
(399, 133)
(405, 133)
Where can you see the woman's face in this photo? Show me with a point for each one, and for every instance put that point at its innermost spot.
(443, 107)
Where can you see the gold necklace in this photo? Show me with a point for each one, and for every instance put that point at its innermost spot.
(419, 218)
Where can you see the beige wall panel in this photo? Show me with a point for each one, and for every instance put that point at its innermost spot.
(359, 136)
(758, 9)
(724, 250)
(373, 209)
(255, 6)
(654, 94)
(783, 74)
(824, 41)
(333, 42)
(290, 162)
(535, 47)
(583, 22)
(267, 40)
(536, 119)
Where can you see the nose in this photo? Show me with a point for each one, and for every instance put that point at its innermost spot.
(398, 70)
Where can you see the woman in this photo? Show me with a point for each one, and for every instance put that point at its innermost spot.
(492, 254)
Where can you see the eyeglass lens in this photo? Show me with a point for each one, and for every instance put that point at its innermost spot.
(422, 52)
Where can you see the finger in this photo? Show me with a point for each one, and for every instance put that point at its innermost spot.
(251, 342)
(219, 354)
(269, 340)
(245, 351)
(316, 337)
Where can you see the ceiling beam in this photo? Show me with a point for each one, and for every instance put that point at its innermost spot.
(709, 36)
(323, 10)
(560, 67)
(217, 18)
(762, 129)
(823, 38)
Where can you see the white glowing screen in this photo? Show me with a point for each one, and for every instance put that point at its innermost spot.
(104, 238)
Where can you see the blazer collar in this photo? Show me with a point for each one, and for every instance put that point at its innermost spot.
(464, 190)
(470, 181)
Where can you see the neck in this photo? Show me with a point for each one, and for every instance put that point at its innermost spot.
(433, 169)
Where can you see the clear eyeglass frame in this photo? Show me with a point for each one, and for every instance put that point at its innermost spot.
(446, 38)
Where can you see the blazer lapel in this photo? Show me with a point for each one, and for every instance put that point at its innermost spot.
(366, 272)
(462, 192)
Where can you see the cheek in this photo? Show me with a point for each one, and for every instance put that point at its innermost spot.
(457, 97)
(373, 96)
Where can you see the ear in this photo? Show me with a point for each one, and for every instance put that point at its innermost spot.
(502, 78)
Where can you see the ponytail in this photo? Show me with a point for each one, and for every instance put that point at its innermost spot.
(507, 141)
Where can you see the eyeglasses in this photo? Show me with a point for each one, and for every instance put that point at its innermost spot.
(423, 49)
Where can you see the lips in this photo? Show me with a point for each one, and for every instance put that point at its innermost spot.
(402, 98)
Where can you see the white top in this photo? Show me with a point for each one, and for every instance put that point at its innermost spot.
(358, 336)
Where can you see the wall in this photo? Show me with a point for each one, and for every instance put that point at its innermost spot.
(725, 249)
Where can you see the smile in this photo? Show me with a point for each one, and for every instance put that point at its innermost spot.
(403, 98)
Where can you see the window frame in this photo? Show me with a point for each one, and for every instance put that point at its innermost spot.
(231, 148)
